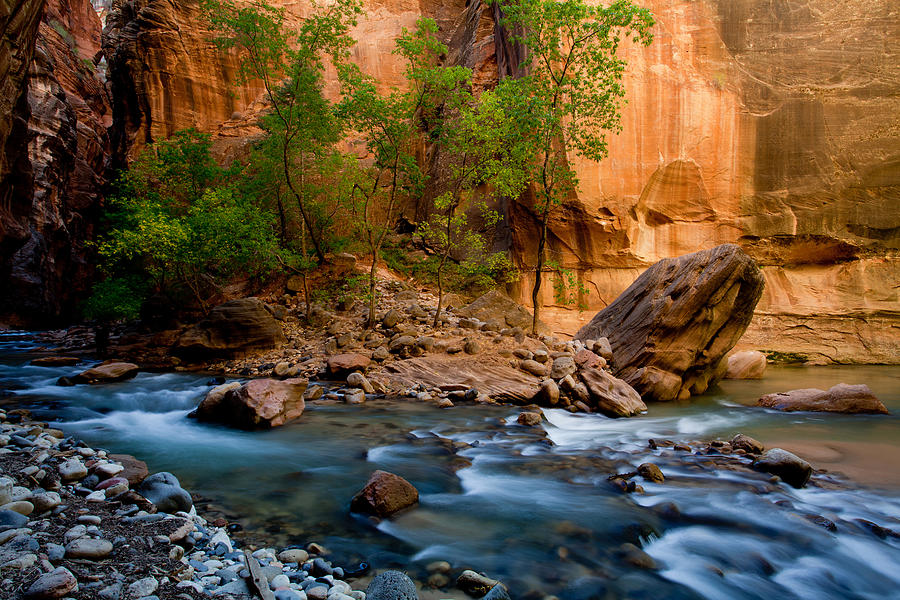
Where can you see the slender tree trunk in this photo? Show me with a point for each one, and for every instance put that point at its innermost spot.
(285, 163)
(370, 323)
(538, 271)
(440, 284)
(304, 274)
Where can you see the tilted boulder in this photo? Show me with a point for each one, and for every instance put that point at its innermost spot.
(385, 494)
(842, 398)
(233, 329)
(257, 404)
(670, 329)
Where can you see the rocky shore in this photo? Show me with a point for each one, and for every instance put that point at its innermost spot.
(77, 522)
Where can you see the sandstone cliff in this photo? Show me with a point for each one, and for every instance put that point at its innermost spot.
(55, 166)
(769, 124)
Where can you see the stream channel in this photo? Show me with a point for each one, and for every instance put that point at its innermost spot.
(530, 506)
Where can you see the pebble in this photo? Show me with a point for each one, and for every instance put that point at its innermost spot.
(45, 501)
(143, 587)
(89, 548)
(72, 469)
(56, 584)
(23, 507)
(293, 555)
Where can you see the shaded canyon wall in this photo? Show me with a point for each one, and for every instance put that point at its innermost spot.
(53, 166)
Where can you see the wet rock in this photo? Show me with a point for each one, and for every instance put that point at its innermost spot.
(747, 444)
(164, 491)
(549, 394)
(341, 365)
(610, 395)
(314, 392)
(529, 419)
(636, 557)
(56, 361)
(475, 584)
(107, 373)
(385, 494)
(56, 584)
(354, 396)
(749, 364)
(498, 592)
(259, 403)
(391, 585)
(233, 329)
(842, 398)
(792, 469)
(671, 328)
(88, 548)
(651, 472)
(358, 380)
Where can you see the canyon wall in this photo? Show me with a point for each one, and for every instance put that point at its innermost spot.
(54, 162)
(769, 123)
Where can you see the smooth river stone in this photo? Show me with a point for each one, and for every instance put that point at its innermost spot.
(23, 507)
(88, 548)
(72, 469)
(56, 584)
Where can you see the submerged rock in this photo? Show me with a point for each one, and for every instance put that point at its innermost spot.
(789, 467)
(749, 364)
(747, 444)
(842, 398)
(257, 404)
(385, 494)
(671, 328)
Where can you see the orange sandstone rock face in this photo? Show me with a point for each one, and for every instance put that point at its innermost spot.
(770, 125)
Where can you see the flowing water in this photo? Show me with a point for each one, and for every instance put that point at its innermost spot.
(531, 506)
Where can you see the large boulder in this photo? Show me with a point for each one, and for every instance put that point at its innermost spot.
(257, 404)
(233, 329)
(792, 469)
(611, 396)
(842, 398)
(166, 493)
(497, 306)
(670, 329)
(384, 495)
(107, 373)
(749, 364)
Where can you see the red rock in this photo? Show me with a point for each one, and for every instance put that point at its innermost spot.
(111, 482)
(611, 396)
(135, 470)
(384, 495)
(842, 398)
(260, 403)
(585, 359)
(107, 373)
(341, 365)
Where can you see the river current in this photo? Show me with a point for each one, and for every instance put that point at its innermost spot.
(531, 507)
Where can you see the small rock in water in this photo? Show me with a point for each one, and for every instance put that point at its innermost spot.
(358, 380)
(391, 585)
(789, 467)
(475, 584)
(56, 584)
(651, 472)
(384, 494)
(747, 444)
(529, 419)
(498, 592)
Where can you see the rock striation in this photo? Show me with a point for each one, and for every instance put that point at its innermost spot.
(673, 326)
(54, 152)
(232, 329)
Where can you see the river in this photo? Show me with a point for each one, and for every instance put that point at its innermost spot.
(531, 507)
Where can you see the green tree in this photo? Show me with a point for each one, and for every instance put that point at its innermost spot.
(569, 98)
(177, 225)
(392, 125)
(301, 126)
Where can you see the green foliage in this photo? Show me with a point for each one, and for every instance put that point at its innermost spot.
(568, 290)
(115, 298)
(785, 358)
(177, 224)
(568, 99)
